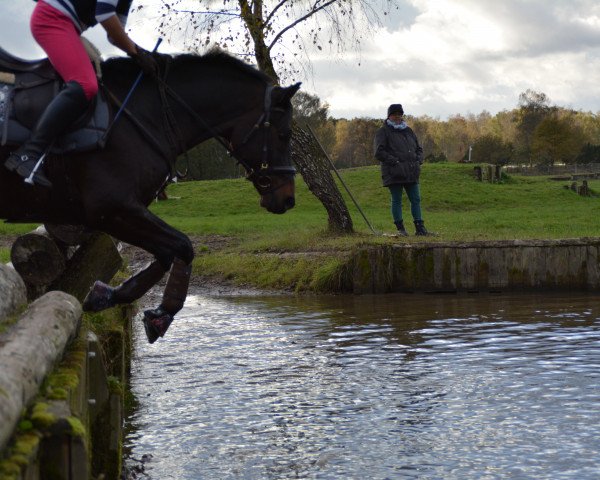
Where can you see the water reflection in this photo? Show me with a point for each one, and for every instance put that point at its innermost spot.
(394, 386)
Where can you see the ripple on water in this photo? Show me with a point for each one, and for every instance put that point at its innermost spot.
(355, 387)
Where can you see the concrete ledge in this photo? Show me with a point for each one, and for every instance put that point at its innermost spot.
(13, 292)
(29, 351)
(568, 264)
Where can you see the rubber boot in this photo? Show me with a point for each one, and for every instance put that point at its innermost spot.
(420, 228)
(401, 230)
(59, 115)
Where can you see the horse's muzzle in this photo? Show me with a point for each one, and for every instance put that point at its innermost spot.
(280, 199)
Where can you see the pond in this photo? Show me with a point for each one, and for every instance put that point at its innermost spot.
(378, 387)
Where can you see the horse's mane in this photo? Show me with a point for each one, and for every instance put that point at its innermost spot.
(213, 58)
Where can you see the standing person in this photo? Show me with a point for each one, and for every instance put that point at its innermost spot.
(401, 157)
(56, 26)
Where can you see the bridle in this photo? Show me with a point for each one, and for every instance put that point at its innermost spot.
(261, 177)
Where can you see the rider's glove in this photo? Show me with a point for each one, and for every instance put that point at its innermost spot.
(145, 61)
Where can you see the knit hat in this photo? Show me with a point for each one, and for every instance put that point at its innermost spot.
(395, 108)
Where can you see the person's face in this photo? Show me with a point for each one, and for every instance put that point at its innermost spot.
(396, 118)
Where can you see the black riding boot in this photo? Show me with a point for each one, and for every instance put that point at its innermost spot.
(420, 228)
(401, 230)
(59, 115)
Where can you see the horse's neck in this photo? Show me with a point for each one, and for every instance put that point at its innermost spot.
(217, 102)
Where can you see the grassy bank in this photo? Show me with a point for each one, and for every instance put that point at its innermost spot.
(263, 248)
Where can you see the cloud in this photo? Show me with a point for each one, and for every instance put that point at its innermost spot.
(437, 57)
(460, 56)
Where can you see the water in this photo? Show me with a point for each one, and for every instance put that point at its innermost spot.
(372, 387)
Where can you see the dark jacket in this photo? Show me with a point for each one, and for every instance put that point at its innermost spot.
(400, 155)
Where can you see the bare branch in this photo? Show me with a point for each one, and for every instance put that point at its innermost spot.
(298, 21)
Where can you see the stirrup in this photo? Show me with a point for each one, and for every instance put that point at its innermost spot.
(25, 166)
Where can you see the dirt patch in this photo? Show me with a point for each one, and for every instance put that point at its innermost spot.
(201, 285)
(6, 241)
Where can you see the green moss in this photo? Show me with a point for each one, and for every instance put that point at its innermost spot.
(41, 417)
(7, 322)
(10, 470)
(483, 274)
(447, 271)
(19, 455)
(516, 277)
(25, 425)
(77, 428)
(115, 385)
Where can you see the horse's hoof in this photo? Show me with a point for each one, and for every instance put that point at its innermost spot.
(156, 323)
(100, 297)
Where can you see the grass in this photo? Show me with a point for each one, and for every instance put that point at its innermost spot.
(455, 206)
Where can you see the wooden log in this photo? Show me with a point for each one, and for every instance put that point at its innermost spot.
(70, 235)
(97, 259)
(37, 258)
(30, 351)
(13, 292)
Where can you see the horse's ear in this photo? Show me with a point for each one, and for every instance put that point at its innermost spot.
(285, 94)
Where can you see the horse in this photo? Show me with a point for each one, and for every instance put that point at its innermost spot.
(191, 99)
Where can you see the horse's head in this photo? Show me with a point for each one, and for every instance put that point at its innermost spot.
(261, 143)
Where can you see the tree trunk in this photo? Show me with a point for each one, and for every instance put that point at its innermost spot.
(306, 153)
(314, 168)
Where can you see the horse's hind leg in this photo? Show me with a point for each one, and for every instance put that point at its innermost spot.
(158, 320)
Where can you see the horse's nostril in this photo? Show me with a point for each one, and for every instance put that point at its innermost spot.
(289, 203)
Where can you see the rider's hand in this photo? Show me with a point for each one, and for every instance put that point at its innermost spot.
(145, 61)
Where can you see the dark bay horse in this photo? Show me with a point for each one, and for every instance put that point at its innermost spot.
(194, 98)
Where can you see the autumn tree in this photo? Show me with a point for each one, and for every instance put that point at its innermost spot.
(272, 32)
(491, 148)
(533, 107)
(354, 142)
(556, 139)
(310, 111)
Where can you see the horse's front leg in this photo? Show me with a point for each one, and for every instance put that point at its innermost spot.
(157, 321)
(103, 296)
(173, 251)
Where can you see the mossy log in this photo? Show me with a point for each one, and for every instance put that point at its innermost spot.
(70, 235)
(97, 259)
(13, 292)
(30, 352)
(37, 258)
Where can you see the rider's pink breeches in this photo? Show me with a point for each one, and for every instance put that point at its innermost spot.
(59, 38)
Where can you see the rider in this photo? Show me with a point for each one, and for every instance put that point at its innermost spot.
(57, 25)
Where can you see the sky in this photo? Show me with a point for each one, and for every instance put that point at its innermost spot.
(436, 57)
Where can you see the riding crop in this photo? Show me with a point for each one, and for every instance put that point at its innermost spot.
(102, 141)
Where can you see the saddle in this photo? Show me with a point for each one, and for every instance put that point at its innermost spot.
(26, 89)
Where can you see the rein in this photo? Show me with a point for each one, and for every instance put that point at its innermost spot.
(260, 178)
